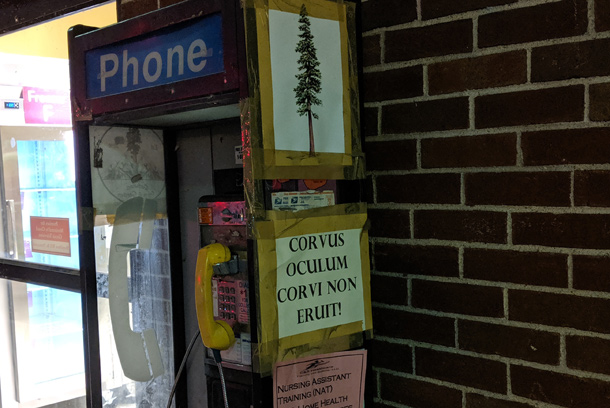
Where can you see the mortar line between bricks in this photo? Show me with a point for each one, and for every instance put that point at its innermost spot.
(414, 360)
(471, 113)
(559, 168)
(418, 8)
(464, 393)
(461, 262)
(481, 52)
(570, 265)
(572, 187)
(382, 47)
(462, 16)
(528, 56)
(399, 275)
(426, 86)
(494, 209)
(505, 304)
(512, 286)
(509, 228)
(509, 360)
(490, 320)
(437, 134)
(587, 104)
(459, 387)
(509, 89)
(475, 34)
(502, 247)
(563, 358)
(389, 403)
(591, 16)
(409, 291)
(509, 385)
(418, 154)
(462, 188)
(519, 150)
(412, 224)
(567, 331)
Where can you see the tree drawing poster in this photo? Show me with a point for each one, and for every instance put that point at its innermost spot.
(307, 78)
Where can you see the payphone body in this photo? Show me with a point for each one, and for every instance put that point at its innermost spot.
(223, 220)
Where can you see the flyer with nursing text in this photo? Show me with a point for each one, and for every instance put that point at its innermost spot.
(333, 380)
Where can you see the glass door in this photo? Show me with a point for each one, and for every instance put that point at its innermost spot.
(42, 326)
(44, 342)
(42, 352)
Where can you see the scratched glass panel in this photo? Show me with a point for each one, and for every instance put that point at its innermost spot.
(133, 268)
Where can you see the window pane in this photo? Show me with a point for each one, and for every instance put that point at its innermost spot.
(41, 347)
(38, 189)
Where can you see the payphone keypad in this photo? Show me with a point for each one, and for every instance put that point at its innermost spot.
(227, 301)
(231, 300)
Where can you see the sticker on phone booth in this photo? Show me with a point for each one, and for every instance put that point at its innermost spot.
(205, 215)
(246, 349)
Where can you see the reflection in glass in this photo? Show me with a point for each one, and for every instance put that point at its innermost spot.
(133, 268)
(39, 181)
(41, 344)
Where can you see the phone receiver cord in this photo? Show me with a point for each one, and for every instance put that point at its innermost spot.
(218, 361)
(182, 364)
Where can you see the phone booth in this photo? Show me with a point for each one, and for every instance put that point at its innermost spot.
(198, 223)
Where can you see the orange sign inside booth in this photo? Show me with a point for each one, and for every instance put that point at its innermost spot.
(50, 235)
(206, 215)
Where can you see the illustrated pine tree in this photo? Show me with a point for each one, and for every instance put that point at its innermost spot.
(309, 76)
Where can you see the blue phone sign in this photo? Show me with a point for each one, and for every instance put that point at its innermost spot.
(192, 51)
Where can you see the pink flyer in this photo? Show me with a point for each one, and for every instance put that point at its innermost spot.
(46, 106)
(333, 380)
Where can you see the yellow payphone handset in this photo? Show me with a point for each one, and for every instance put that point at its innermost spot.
(139, 353)
(216, 334)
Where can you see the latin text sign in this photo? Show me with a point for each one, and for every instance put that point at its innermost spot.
(319, 281)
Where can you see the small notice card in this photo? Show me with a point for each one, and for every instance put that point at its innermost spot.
(50, 235)
(333, 380)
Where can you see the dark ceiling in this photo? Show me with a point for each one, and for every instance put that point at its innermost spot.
(17, 14)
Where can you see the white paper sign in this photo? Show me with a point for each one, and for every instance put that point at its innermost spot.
(333, 380)
(319, 281)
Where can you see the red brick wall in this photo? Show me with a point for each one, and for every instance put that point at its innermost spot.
(488, 148)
